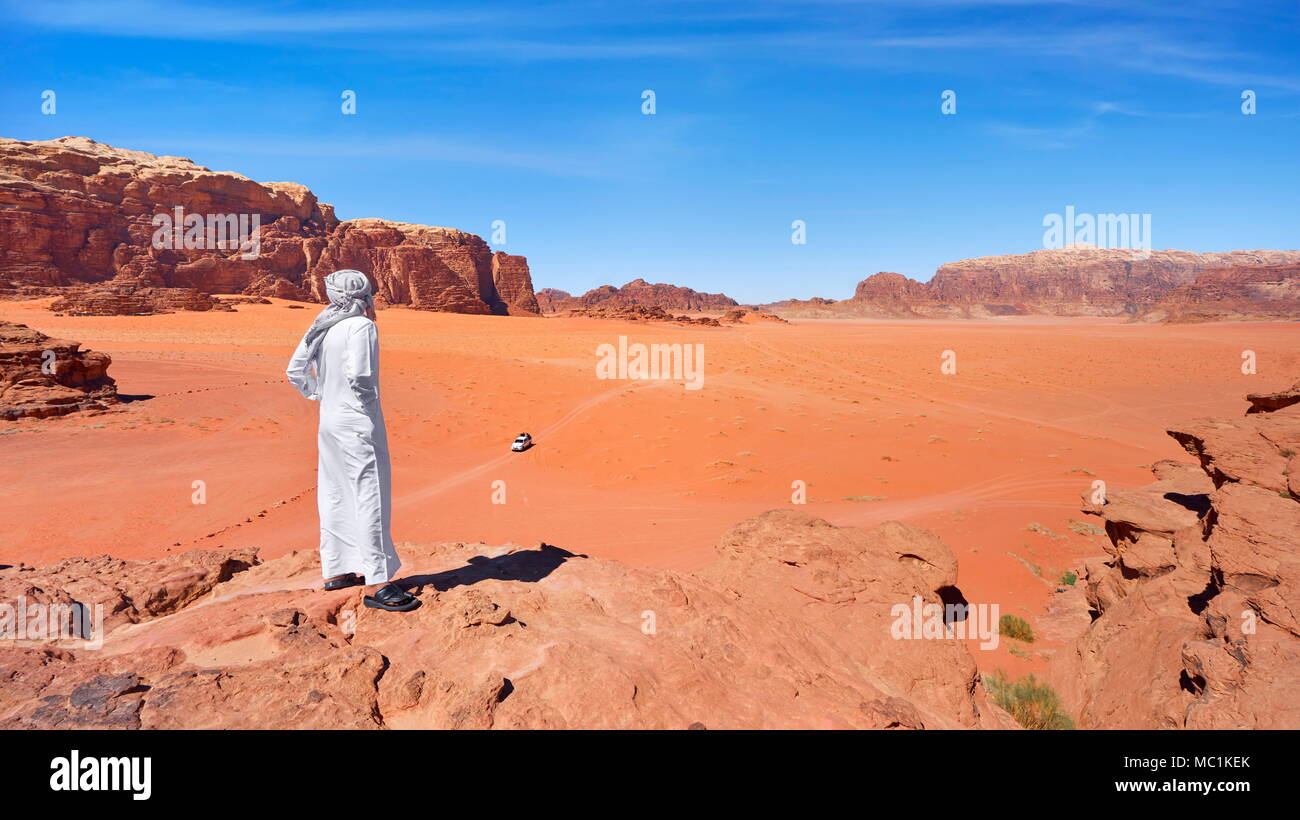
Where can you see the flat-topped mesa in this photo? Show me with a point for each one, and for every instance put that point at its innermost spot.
(1194, 619)
(42, 377)
(639, 293)
(1083, 280)
(639, 313)
(79, 212)
(121, 298)
(1071, 281)
(74, 212)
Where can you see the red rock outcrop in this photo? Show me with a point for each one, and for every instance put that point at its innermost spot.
(514, 284)
(890, 288)
(750, 315)
(1196, 623)
(430, 268)
(817, 307)
(119, 298)
(549, 299)
(41, 377)
(74, 212)
(639, 293)
(1072, 281)
(639, 313)
(1276, 400)
(790, 628)
(1237, 293)
(1082, 281)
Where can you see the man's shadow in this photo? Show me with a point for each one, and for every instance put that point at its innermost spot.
(528, 566)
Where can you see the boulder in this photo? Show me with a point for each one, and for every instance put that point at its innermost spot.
(1195, 617)
(41, 376)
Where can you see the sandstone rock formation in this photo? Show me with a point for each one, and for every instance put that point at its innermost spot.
(1083, 280)
(1196, 618)
(1072, 281)
(817, 307)
(790, 628)
(41, 377)
(639, 313)
(119, 298)
(514, 284)
(549, 299)
(74, 212)
(429, 268)
(746, 315)
(637, 293)
(1276, 400)
(1234, 293)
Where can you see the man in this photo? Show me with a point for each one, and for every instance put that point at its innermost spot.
(337, 364)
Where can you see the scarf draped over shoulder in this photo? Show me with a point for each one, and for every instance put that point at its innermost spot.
(349, 294)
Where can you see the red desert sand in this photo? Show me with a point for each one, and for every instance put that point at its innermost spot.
(212, 449)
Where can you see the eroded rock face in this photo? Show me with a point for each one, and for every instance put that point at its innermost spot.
(747, 315)
(514, 284)
(549, 299)
(1072, 281)
(1196, 617)
(1235, 293)
(74, 212)
(638, 293)
(1083, 281)
(42, 377)
(79, 212)
(417, 265)
(892, 292)
(789, 629)
(117, 298)
(639, 313)
(1275, 400)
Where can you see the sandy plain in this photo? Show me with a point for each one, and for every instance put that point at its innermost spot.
(993, 457)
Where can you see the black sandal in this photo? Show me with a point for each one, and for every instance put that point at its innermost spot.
(391, 597)
(350, 579)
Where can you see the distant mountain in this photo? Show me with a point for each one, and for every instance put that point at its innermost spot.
(1233, 293)
(638, 292)
(1073, 281)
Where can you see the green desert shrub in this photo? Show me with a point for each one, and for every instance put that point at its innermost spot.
(1033, 705)
(1017, 628)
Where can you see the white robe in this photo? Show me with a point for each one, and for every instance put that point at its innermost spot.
(353, 478)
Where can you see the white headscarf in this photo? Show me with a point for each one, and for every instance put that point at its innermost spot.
(350, 295)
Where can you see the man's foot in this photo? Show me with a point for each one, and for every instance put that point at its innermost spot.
(347, 579)
(392, 598)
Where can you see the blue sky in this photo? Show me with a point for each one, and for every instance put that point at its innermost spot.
(766, 112)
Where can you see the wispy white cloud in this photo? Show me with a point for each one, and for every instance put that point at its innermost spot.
(1130, 35)
(189, 21)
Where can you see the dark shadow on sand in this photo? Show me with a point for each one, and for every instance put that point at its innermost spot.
(129, 398)
(528, 566)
